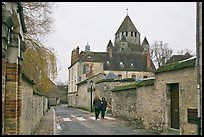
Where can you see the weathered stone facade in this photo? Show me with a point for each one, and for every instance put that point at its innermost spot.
(18, 113)
(142, 106)
(186, 78)
(200, 42)
(13, 47)
(150, 106)
(82, 98)
(33, 108)
(104, 90)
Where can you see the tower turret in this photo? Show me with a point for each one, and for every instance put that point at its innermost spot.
(87, 47)
(128, 29)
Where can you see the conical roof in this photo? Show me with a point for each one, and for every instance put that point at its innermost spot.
(110, 44)
(111, 75)
(127, 25)
(145, 42)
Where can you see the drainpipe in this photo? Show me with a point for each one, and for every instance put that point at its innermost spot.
(198, 65)
(20, 11)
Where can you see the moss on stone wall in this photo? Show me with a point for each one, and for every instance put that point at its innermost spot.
(176, 66)
(134, 86)
(116, 80)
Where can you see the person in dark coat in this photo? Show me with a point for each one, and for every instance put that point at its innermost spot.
(96, 104)
(103, 107)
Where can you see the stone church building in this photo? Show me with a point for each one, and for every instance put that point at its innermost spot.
(127, 57)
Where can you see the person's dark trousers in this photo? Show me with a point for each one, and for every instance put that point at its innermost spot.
(97, 112)
(103, 113)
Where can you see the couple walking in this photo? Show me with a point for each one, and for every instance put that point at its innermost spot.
(100, 105)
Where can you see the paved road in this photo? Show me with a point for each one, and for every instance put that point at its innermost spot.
(70, 121)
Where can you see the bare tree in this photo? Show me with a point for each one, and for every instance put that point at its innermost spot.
(39, 61)
(38, 17)
(160, 52)
(185, 51)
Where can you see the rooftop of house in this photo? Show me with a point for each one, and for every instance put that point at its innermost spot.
(188, 63)
(177, 58)
(127, 25)
(118, 61)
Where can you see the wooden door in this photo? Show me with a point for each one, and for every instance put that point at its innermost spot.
(175, 106)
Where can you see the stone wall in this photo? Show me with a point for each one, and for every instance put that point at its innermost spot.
(3, 91)
(84, 97)
(104, 90)
(13, 29)
(137, 105)
(149, 106)
(33, 108)
(187, 80)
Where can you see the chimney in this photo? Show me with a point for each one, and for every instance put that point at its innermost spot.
(75, 55)
(148, 61)
(110, 52)
(77, 49)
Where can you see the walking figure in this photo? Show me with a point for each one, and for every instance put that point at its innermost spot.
(103, 107)
(96, 104)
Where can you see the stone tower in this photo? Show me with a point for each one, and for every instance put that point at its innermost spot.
(127, 29)
(145, 45)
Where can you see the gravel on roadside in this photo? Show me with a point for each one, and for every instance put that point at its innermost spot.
(45, 127)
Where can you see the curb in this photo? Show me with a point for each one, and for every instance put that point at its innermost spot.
(54, 125)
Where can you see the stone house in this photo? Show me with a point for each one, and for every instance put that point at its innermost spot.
(126, 58)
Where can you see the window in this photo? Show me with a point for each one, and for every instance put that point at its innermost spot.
(126, 33)
(192, 116)
(122, 65)
(108, 64)
(131, 34)
(79, 79)
(135, 34)
(131, 64)
(86, 69)
(144, 76)
(133, 76)
(89, 57)
(120, 76)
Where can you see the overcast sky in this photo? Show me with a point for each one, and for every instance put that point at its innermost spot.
(76, 23)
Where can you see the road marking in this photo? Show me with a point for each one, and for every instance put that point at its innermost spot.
(109, 118)
(81, 118)
(58, 127)
(73, 116)
(66, 119)
(93, 118)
